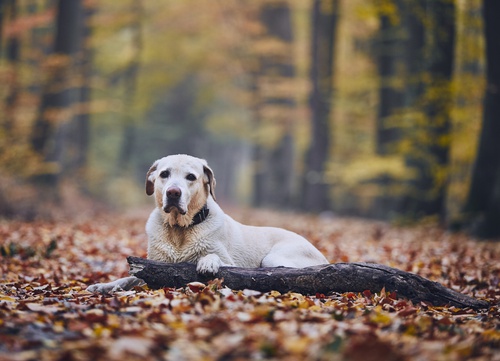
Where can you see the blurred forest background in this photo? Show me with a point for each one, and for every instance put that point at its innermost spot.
(377, 108)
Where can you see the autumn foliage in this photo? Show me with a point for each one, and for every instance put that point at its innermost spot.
(367, 108)
(46, 314)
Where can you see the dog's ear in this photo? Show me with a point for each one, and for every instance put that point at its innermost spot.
(150, 179)
(211, 179)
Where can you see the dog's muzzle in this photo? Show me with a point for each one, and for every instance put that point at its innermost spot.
(173, 197)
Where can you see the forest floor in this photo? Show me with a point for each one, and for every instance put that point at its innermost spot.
(46, 314)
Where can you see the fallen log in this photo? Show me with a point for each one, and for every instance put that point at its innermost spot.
(325, 279)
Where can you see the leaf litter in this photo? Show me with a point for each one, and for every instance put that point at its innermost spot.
(46, 313)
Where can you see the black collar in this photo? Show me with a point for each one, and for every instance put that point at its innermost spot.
(200, 216)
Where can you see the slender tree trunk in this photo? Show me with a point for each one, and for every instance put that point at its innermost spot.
(81, 127)
(259, 155)
(2, 17)
(281, 177)
(10, 8)
(4, 9)
(315, 188)
(483, 204)
(130, 85)
(8, 12)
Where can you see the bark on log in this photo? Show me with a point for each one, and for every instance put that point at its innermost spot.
(337, 277)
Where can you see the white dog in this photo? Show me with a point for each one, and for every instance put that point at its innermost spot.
(187, 225)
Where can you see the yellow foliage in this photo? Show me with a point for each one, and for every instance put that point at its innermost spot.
(222, 44)
(229, 124)
(368, 168)
(373, 9)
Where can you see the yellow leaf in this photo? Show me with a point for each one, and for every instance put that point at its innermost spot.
(410, 330)
(381, 318)
(7, 298)
(491, 335)
(297, 345)
(101, 331)
(274, 294)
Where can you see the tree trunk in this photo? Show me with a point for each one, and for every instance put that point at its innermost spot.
(315, 189)
(389, 132)
(483, 204)
(4, 7)
(81, 129)
(274, 104)
(430, 54)
(281, 176)
(130, 85)
(51, 126)
(389, 62)
(439, 102)
(259, 156)
(325, 279)
(13, 57)
(2, 16)
(8, 13)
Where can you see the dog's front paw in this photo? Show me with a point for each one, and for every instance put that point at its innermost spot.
(209, 264)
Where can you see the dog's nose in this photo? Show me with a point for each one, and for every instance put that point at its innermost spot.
(174, 193)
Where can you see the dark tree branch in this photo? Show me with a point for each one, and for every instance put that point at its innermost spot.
(338, 277)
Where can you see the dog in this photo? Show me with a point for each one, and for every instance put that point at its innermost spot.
(187, 225)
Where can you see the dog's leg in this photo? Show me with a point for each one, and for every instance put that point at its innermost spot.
(298, 255)
(209, 264)
(121, 284)
(273, 260)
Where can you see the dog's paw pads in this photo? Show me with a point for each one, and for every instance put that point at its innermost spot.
(209, 264)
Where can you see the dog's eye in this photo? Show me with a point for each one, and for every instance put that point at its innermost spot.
(191, 177)
(165, 174)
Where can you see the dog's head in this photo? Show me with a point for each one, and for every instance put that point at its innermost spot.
(181, 185)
